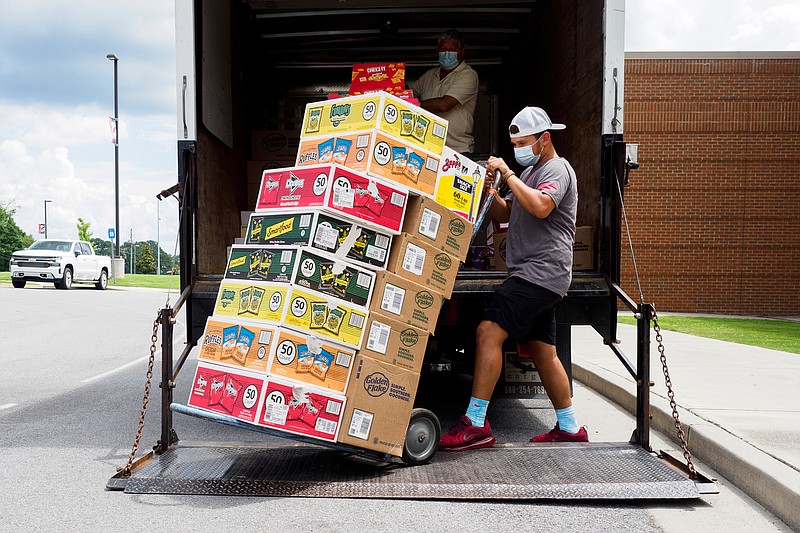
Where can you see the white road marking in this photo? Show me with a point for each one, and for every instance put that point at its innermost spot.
(115, 370)
(7, 406)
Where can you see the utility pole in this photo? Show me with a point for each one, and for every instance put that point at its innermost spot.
(158, 236)
(115, 60)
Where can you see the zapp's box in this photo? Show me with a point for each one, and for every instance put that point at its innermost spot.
(438, 226)
(459, 184)
(227, 391)
(278, 228)
(300, 409)
(376, 111)
(406, 301)
(261, 263)
(380, 397)
(376, 153)
(423, 264)
(237, 343)
(251, 300)
(326, 317)
(330, 276)
(370, 77)
(394, 342)
(357, 243)
(306, 358)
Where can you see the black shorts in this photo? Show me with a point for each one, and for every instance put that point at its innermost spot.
(524, 310)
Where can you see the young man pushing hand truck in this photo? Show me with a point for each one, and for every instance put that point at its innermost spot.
(540, 208)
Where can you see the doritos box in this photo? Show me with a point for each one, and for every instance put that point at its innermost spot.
(311, 359)
(280, 228)
(300, 409)
(230, 392)
(380, 397)
(406, 301)
(459, 185)
(355, 242)
(369, 77)
(331, 276)
(374, 111)
(438, 226)
(261, 263)
(423, 264)
(325, 316)
(252, 300)
(237, 343)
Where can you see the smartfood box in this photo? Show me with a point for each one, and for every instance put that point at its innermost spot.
(280, 228)
(307, 358)
(302, 410)
(251, 300)
(355, 242)
(459, 184)
(261, 263)
(376, 111)
(325, 316)
(238, 343)
(227, 391)
(330, 276)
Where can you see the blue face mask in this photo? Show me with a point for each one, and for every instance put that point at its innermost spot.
(448, 60)
(525, 156)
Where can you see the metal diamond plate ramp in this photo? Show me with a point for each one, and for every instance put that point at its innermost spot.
(511, 472)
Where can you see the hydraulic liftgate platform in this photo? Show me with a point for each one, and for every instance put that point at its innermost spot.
(504, 472)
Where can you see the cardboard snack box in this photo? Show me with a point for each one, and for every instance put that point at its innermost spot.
(380, 398)
(376, 111)
(367, 246)
(309, 359)
(261, 263)
(326, 317)
(421, 263)
(394, 342)
(406, 301)
(227, 391)
(438, 226)
(274, 144)
(252, 300)
(583, 249)
(370, 77)
(302, 410)
(330, 276)
(459, 184)
(237, 343)
(280, 228)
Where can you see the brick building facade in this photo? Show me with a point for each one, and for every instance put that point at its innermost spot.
(714, 208)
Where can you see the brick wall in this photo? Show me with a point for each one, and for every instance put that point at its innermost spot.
(714, 209)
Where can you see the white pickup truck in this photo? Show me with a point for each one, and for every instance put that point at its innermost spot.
(60, 262)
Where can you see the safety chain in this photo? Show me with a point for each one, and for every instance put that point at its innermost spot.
(126, 470)
(671, 394)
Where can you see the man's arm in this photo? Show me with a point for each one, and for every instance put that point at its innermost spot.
(532, 200)
(439, 105)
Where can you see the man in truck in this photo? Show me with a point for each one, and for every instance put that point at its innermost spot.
(451, 90)
(540, 208)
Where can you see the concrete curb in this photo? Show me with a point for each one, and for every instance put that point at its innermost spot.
(768, 481)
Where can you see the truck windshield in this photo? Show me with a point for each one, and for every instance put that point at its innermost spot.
(56, 246)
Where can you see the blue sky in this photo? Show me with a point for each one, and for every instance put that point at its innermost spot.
(56, 94)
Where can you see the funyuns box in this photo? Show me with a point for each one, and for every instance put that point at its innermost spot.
(237, 343)
(421, 263)
(438, 226)
(380, 398)
(365, 246)
(307, 358)
(394, 342)
(406, 301)
(376, 111)
(459, 184)
(330, 276)
(326, 316)
(300, 409)
(227, 391)
(252, 300)
(261, 263)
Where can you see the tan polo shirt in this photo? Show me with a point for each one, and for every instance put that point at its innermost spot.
(461, 84)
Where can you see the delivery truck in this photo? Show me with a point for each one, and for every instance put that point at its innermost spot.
(246, 72)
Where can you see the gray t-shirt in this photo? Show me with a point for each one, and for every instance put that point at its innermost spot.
(540, 250)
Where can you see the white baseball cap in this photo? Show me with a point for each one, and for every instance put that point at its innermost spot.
(530, 121)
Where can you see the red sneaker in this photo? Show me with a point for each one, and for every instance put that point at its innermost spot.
(557, 435)
(465, 436)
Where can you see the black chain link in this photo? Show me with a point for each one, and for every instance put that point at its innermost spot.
(671, 394)
(126, 470)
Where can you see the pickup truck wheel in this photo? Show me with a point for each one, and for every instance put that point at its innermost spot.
(422, 437)
(102, 283)
(66, 281)
(18, 283)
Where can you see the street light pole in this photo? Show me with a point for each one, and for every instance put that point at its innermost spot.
(158, 235)
(45, 217)
(115, 59)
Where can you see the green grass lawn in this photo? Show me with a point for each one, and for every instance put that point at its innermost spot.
(131, 280)
(780, 335)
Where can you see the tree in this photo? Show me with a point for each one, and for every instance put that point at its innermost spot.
(102, 247)
(12, 238)
(145, 262)
(83, 231)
